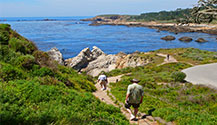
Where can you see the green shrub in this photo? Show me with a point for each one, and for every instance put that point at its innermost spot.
(4, 37)
(81, 83)
(7, 55)
(8, 72)
(43, 59)
(5, 27)
(4, 51)
(23, 46)
(4, 34)
(17, 45)
(47, 80)
(25, 61)
(30, 47)
(44, 71)
(179, 76)
(28, 102)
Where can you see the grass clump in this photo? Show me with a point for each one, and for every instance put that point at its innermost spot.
(179, 76)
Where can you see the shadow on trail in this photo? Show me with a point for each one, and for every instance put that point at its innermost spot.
(149, 113)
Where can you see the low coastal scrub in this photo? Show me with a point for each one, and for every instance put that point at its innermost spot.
(36, 90)
(191, 55)
(29, 102)
(169, 97)
(179, 76)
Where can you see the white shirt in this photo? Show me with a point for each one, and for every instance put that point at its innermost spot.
(102, 77)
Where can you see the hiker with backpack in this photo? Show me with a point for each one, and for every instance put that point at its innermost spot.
(134, 98)
(102, 79)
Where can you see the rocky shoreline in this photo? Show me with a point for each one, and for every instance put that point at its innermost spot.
(172, 27)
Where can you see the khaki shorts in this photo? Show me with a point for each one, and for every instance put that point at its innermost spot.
(102, 82)
(128, 105)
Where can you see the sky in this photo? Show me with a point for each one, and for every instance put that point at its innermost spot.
(43, 8)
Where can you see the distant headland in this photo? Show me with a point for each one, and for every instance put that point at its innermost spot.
(180, 20)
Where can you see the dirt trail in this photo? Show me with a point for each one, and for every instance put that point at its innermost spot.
(166, 60)
(103, 96)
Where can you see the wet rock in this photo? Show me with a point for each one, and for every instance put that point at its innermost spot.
(168, 38)
(201, 40)
(186, 39)
(56, 55)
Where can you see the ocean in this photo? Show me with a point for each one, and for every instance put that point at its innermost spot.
(70, 36)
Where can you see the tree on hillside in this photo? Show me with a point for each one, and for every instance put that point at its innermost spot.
(205, 11)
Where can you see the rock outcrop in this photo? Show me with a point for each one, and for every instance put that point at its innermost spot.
(186, 39)
(104, 63)
(56, 55)
(84, 57)
(201, 40)
(95, 61)
(168, 38)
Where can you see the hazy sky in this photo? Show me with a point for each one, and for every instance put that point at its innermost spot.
(31, 8)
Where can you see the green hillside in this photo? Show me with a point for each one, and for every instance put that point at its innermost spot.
(36, 90)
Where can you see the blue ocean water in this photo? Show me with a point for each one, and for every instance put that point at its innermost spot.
(70, 36)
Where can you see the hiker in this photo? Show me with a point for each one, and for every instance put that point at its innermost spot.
(168, 57)
(134, 97)
(102, 79)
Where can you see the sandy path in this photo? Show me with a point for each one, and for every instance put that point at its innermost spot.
(102, 95)
(202, 74)
(170, 60)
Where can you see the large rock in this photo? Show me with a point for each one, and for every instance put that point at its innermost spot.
(130, 60)
(95, 61)
(56, 55)
(96, 52)
(104, 63)
(80, 61)
(186, 39)
(201, 40)
(84, 57)
(168, 38)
